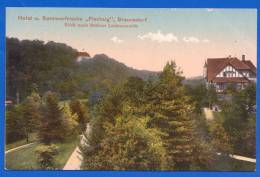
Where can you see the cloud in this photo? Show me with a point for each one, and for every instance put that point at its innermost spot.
(170, 37)
(191, 39)
(210, 10)
(159, 37)
(116, 40)
(205, 41)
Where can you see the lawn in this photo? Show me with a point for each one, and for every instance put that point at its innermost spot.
(25, 158)
(66, 150)
(32, 138)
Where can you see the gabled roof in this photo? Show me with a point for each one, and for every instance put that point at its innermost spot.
(216, 65)
(251, 65)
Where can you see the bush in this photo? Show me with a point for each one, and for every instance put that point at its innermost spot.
(46, 155)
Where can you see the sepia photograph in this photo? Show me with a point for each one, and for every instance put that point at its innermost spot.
(130, 89)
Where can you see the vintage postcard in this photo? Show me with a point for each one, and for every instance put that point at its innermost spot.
(130, 89)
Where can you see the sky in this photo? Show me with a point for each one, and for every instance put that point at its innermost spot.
(187, 36)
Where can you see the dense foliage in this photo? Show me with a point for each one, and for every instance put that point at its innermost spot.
(157, 110)
(37, 65)
(53, 67)
(239, 120)
(31, 113)
(52, 125)
(14, 124)
(82, 113)
(139, 120)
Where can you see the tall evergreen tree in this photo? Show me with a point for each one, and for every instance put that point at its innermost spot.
(52, 126)
(171, 113)
(111, 106)
(83, 115)
(198, 96)
(31, 114)
(133, 91)
(104, 113)
(70, 120)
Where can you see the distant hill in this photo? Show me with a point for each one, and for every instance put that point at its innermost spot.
(194, 81)
(97, 74)
(36, 65)
(103, 67)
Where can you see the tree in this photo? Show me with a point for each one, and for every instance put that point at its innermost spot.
(70, 120)
(248, 139)
(52, 126)
(47, 65)
(238, 115)
(92, 139)
(203, 152)
(31, 113)
(230, 89)
(14, 124)
(83, 115)
(128, 145)
(198, 95)
(250, 97)
(220, 139)
(211, 95)
(135, 116)
(104, 113)
(46, 156)
(171, 114)
(133, 90)
(111, 105)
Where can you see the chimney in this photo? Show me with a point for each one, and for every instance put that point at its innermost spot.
(243, 57)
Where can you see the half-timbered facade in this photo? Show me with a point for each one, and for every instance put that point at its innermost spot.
(221, 72)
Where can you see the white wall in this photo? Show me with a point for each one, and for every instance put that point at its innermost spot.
(80, 58)
(230, 72)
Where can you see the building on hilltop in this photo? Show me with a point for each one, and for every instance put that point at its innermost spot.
(221, 72)
(82, 55)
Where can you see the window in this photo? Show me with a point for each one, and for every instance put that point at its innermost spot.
(224, 74)
(221, 86)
